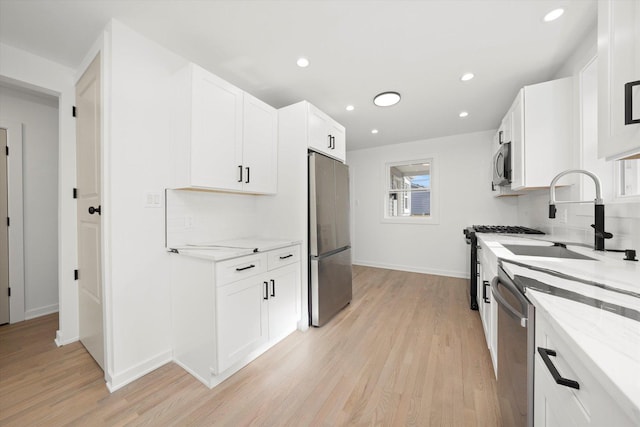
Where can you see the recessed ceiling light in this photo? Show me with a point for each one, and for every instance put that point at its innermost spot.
(386, 99)
(302, 62)
(466, 77)
(553, 15)
(350, 107)
(463, 114)
(374, 131)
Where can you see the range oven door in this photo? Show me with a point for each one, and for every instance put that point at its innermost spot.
(502, 165)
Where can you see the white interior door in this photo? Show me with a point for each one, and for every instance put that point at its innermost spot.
(88, 142)
(4, 231)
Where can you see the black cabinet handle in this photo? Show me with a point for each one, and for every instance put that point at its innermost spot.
(333, 142)
(545, 353)
(93, 210)
(248, 176)
(628, 103)
(245, 268)
(266, 290)
(273, 288)
(500, 135)
(286, 256)
(240, 167)
(485, 283)
(329, 138)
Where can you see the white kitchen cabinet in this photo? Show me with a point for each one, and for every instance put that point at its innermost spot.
(227, 313)
(618, 65)
(325, 134)
(541, 133)
(225, 139)
(560, 405)
(487, 269)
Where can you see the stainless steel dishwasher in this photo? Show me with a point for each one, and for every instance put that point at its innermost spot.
(516, 336)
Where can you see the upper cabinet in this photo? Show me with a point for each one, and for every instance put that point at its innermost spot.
(541, 123)
(618, 79)
(325, 134)
(225, 139)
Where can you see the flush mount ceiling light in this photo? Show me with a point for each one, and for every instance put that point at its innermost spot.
(466, 77)
(553, 15)
(350, 108)
(463, 114)
(374, 131)
(302, 62)
(386, 99)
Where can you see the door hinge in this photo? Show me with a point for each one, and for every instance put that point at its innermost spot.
(73, 111)
(9, 291)
(75, 193)
(75, 274)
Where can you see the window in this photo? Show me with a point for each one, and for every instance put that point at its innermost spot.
(408, 191)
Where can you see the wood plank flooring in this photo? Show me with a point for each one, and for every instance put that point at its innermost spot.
(407, 351)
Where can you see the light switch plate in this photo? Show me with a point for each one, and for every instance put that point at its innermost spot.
(152, 199)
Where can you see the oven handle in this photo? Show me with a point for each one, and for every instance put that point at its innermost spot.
(501, 301)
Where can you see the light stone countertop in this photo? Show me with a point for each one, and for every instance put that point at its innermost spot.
(607, 342)
(228, 249)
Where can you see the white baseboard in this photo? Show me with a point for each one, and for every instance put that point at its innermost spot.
(60, 340)
(41, 311)
(119, 380)
(412, 269)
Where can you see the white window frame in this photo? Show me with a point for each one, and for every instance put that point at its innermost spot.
(433, 218)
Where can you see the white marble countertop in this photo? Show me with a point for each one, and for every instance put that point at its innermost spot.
(609, 343)
(227, 249)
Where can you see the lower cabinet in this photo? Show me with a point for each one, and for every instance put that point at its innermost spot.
(563, 405)
(486, 306)
(227, 313)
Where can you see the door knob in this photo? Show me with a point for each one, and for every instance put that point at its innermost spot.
(93, 210)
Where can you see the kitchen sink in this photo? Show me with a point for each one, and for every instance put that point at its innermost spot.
(546, 251)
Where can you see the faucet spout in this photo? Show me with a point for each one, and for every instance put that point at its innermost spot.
(600, 234)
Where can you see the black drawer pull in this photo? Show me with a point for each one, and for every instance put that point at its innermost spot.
(245, 268)
(545, 353)
(266, 290)
(287, 256)
(240, 167)
(628, 103)
(273, 288)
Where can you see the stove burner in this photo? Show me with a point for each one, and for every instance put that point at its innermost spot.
(511, 229)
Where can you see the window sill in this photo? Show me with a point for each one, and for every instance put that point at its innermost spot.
(411, 220)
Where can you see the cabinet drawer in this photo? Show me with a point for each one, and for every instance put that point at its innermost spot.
(284, 256)
(240, 268)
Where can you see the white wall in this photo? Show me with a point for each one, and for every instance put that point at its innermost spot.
(137, 160)
(38, 114)
(24, 69)
(621, 218)
(464, 197)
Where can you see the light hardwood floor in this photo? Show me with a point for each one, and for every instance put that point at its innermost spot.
(407, 351)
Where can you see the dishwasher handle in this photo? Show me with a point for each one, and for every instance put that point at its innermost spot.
(495, 283)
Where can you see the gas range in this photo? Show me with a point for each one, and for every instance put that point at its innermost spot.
(471, 238)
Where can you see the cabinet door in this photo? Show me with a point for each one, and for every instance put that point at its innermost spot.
(339, 150)
(260, 146)
(283, 301)
(242, 310)
(618, 64)
(216, 132)
(319, 137)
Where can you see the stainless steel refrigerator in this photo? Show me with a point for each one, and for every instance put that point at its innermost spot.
(329, 238)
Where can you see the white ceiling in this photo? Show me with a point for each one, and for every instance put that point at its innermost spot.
(357, 49)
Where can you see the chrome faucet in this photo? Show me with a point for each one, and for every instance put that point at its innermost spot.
(600, 234)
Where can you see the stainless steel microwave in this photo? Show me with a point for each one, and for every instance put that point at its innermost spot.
(502, 165)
